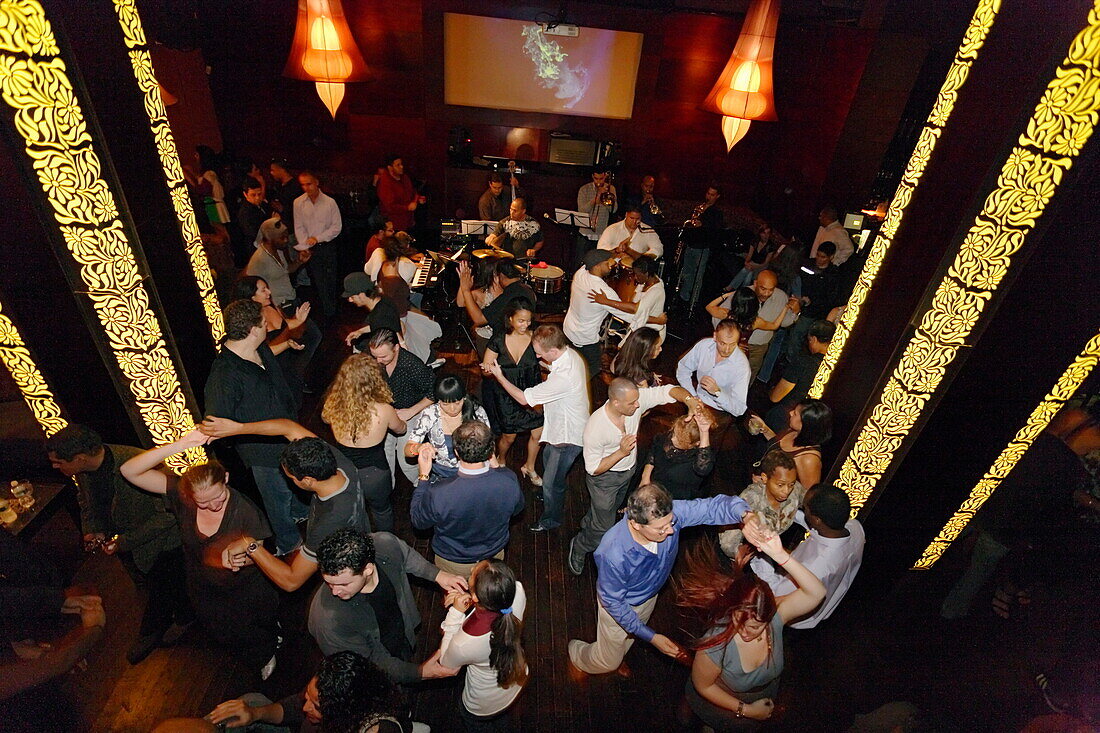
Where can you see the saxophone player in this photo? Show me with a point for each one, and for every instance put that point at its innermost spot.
(700, 233)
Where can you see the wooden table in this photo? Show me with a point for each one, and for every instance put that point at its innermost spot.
(44, 505)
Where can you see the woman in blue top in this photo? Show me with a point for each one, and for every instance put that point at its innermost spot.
(736, 671)
(436, 423)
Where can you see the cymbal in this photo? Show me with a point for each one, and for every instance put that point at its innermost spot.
(483, 253)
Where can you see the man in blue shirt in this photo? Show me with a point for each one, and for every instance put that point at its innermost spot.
(634, 560)
(720, 368)
(471, 510)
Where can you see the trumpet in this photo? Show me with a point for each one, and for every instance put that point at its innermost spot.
(654, 208)
(607, 198)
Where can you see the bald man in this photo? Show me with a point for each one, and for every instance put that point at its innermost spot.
(610, 452)
(772, 302)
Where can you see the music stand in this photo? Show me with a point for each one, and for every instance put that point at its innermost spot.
(478, 227)
(571, 218)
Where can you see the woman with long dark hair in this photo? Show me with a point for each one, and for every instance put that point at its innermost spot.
(636, 356)
(453, 406)
(486, 640)
(738, 660)
(743, 306)
(515, 353)
(290, 338)
(809, 427)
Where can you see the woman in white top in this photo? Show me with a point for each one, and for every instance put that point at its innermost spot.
(482, 633)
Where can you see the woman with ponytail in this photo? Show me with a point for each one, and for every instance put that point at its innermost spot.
(735, 675)
(482, 633)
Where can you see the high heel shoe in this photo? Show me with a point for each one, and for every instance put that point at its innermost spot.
(530, 476)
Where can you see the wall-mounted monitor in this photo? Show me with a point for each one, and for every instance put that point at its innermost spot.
(519, 65)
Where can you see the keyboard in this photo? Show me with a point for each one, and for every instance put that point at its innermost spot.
(427, 271)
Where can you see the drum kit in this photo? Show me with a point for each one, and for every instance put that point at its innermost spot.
(544, 279)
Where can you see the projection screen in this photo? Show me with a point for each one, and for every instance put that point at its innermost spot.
(516, 65)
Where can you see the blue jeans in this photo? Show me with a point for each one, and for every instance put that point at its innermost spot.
(556, 462)
(282, 507)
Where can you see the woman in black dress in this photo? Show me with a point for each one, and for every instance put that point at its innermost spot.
(516, 356)
(681, 459)
(237, 607)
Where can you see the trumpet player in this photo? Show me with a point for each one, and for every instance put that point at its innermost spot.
(630, 238)
(652, 207)
(599, 200)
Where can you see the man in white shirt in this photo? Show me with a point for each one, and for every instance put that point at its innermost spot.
(773, 304)
(611, 454)
(833, 551)
(586, 313)
(631, 238)
(317, 223)
(721, 369)
(831, 230)
(564, 397)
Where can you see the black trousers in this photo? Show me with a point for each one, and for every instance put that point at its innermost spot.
(324, 272)
(167, 589)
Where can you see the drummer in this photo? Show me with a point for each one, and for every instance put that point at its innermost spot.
(630, 239)
(519, 235)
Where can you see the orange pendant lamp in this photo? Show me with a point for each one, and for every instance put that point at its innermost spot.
(324, 51)
(743, 92)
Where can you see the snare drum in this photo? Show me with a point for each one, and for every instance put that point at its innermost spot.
(546, 280)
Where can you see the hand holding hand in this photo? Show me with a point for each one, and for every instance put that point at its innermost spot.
(628, 443)
(219, 427)
(667, 646)
(494, 369)
(424, 458)
(451, 583)
(194, 438)
(304, 255)
(703, 420)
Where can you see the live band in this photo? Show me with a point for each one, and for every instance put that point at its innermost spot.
(630, 227)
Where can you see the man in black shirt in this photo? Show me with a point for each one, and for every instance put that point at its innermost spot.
(798, 376)
(412, 383)
(283, 192)
(315, 467)
(247, 384)
(361, 291)
(510, 278)
(367, 606)
(254, 211)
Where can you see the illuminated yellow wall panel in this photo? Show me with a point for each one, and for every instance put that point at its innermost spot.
(17, 358)
(34, 83)
(169, 159)
(967, 54)
(1040, 417)
(1060, 126)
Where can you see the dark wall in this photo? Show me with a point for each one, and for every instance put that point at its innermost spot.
(777, 169)
(998, 98)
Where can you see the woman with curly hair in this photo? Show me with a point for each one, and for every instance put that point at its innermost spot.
(482, 633)
(359, 408)
(738, 661)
